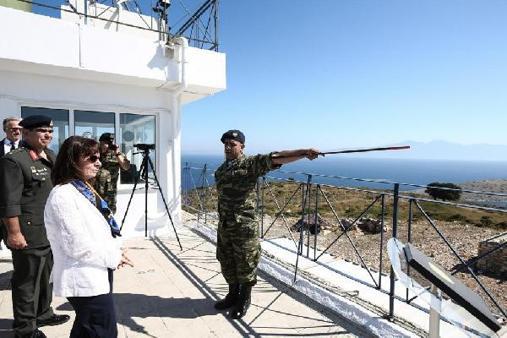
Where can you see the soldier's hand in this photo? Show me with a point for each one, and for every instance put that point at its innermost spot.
(312, 154)
(16, 241)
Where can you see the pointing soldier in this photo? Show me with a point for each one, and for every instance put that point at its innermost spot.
(112, 160)
(238, 247)
(25, 182)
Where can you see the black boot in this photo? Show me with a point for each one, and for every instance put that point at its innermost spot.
(230, 299)
(244, 298)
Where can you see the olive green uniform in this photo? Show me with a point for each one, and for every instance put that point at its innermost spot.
(25, 184)
(238, 247)
(107, 178)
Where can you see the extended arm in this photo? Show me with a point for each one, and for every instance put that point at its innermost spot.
(288, 156)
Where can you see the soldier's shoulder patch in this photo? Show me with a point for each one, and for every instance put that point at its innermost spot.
(17, 153)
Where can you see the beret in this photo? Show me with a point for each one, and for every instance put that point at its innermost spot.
(106, 137)
(233, 134)
(35, 121)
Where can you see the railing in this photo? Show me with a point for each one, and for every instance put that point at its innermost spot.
(315, 204)
(196, 20)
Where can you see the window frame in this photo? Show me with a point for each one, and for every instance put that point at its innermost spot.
(72, 107)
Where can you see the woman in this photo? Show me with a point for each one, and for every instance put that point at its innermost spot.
(81, 232)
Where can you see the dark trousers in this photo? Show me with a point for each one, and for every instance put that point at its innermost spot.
(31, 290)
(95, 316)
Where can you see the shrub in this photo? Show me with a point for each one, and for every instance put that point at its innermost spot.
(433, 189)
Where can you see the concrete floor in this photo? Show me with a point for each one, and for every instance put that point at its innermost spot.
(170, 293)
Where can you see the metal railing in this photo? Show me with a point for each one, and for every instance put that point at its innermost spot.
(196, 20)
(313, 198)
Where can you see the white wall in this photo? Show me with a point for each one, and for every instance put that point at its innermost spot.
(42, 45)
(53, 63)
(19, 89)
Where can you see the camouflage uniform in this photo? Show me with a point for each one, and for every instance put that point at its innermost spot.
(238, 247)
(107, 178)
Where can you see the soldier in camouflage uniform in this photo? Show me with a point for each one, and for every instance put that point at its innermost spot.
(112, 161)
(238, 247)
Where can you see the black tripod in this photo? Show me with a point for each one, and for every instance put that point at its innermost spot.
(145, 151)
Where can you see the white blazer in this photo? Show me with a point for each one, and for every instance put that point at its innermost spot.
(82, 245)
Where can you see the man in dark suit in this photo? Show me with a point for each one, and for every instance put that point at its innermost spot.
(12, 135)
(10, 142)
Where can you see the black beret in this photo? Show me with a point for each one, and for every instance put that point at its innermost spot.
(106, 137)
(35, 121)
(235, 135)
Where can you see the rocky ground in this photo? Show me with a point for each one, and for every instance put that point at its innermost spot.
(463, 238)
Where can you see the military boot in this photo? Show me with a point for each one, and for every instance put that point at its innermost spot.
(244, 298)
(230, 299)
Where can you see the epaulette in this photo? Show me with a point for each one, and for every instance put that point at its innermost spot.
(16, 151)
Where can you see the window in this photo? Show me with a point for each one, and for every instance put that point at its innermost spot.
(92, 124)
(135, 129)
(60, 119)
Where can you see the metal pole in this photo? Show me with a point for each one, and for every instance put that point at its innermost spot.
(85, 11)
(262, 205)
(316, 223)
(204, 170)
(146, 195)
(308, 192)
(434, 326)
(409, 237)
(396, 193)
(381, 242)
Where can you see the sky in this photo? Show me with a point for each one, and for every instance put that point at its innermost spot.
(336, 74)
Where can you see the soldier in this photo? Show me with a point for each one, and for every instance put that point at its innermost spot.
(238, 247)
(112, 160)
(25, 182)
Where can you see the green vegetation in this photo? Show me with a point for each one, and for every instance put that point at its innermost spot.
(350, 203)
(443, 194)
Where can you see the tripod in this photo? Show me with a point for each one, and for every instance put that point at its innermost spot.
(145, 151)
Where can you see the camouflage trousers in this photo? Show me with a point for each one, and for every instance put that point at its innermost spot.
(238, 251)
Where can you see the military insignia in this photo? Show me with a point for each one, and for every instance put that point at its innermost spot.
(234, 134)
(34, 170)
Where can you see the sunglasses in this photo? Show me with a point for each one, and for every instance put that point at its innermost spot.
(93, 158)
(44, 130)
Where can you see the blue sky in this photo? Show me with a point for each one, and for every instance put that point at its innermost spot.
(345, 73)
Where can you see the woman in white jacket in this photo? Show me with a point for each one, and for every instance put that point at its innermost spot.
(81, 231)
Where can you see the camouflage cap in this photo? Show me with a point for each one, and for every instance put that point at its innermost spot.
(233, 134)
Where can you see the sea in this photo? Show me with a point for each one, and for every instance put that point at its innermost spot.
(374, 173)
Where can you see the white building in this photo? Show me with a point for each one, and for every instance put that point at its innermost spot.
(96, 76)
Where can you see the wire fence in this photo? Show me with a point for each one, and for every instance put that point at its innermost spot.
(353, 223)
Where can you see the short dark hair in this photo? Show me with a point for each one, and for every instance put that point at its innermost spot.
(73, 149)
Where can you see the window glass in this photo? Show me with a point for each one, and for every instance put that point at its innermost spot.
(135, 129)
(92, 124)
(60, 119)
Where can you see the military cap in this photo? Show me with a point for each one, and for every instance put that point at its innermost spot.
(106, 137)
(35, 121)
(235, 135)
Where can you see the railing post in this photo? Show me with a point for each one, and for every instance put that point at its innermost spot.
(409, 236)
(307, 198)
(262, 205)
(316, 222)
(381, 241)
(396, 196)
(204, 172)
